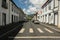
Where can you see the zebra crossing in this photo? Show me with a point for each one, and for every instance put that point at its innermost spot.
(40, 30)
(31, 30)
(22, 30)
(49, 30)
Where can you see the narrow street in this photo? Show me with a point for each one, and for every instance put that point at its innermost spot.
(31, 31)
(29, 19)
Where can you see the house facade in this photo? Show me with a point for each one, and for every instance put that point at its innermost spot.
(50, 12)
(14, 12)
(22, 16)
(4, 12)
(9, 12)
(39, 16)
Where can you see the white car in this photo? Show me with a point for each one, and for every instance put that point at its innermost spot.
(36, 22)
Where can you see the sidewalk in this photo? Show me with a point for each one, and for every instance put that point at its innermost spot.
(10, 30)
(51, 26)
(4, 29)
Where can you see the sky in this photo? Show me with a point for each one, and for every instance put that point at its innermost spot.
(29, 6)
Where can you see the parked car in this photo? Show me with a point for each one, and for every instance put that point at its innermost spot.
(36, 22)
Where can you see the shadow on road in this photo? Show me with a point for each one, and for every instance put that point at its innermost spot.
(10, 30)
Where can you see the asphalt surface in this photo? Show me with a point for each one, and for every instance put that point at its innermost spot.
(31, 31)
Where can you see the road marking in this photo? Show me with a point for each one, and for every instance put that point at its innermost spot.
(48, 30)
(22, 30)
(36, 37)
(31, 30)
(40, 30)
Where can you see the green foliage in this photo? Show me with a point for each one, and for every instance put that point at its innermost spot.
(29, 17)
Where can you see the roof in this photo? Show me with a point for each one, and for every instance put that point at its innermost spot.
(47, 2)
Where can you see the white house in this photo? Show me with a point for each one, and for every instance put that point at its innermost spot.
(10, 12)
(14, 12)
(50, 12)
(4, 12)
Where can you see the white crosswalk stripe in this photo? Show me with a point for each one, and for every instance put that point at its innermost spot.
(48, 30)
(40, 30)
(35, 37)
(22, 30)
(31, 30)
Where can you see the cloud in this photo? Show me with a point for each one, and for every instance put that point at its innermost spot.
(37, 2)
(31, 10)
(23, 1)
(26, 11)
(34, 7)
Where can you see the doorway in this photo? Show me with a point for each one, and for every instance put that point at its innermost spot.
(56, 18)
(3, 19)
(12, 18)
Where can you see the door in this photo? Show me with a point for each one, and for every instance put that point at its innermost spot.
(49, 18)
(4, 19)
(56, 18)
(12, 18)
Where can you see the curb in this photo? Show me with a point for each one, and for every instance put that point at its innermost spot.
(9, 31)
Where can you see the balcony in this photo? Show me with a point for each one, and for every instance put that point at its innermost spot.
(4, 5)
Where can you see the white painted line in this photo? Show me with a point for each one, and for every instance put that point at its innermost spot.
(37, 37)
(31, 30)
(48, 30)
(40, 30)
(22, 30)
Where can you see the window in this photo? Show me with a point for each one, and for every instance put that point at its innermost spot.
(4, 4)
(50, 6)
(55, 3)
(12, 7)
(43, 10)
(46, 8)
(4, 0)
(50, 14)
(3, 19)
(41, 16)
(45, 17)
